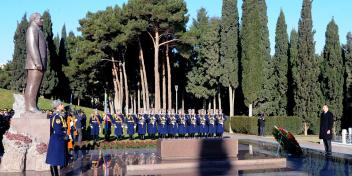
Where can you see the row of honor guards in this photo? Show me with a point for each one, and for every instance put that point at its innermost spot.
(162, 124)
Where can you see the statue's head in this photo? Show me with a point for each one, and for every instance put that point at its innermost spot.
(36, 18)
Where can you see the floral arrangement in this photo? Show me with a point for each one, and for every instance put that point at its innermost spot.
(19, 138)
(128, 144)
(287, 140)
(42, 148)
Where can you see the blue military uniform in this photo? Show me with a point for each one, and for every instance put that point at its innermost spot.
(107, 126)
(192, 125)
(162, 125)
(141, 125)
(211, 125)
(94, 127)
(203, 127)
(130, 125)
(181, 121)
(117, 121)
(172, 125)
(56, 155)
(220, 125)
(151, 123)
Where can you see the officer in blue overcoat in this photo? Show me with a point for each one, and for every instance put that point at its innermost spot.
(94, 122)
(131, 122)
(203, 127)
(219, 123)
(151, 124)
(211, 123)
(172, 124)
(56, 154)
(181, 122)
(162, 124)
(118, 125)
(141, 125)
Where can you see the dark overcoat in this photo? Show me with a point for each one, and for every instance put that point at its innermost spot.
(326, 123)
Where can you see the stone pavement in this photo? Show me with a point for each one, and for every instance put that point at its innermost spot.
(336, 148)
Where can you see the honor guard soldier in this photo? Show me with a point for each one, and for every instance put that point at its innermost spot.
(130, 120)
(118, 125)
(94, 126)
(162, 126)
(172, 124)
(220, 123)
(211, 123)
(203, 128)
(56, 154)
(192, 124)
(152, 126)
(181, 121)
(71, 130)
(141, 125)
(107, 125)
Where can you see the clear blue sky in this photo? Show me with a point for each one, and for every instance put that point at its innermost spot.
(70, 11)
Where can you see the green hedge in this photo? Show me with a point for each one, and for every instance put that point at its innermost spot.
(249, 125)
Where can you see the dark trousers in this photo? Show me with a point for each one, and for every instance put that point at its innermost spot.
(261, 131)
(327, 146)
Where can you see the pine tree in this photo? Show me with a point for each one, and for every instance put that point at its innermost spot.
(50, 80)
(347, 119)
(308, 104)
(229, 54)
(292, 72)
(203, 78)
(252, 58)
(18, 74)
(332, 73)
(280, 64)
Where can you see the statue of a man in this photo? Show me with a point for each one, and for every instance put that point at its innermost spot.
(36, 61)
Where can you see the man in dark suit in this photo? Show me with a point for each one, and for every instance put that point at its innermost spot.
(326, 124)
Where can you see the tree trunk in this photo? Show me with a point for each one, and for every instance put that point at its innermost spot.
(230, 101)
(183, 104)
(126, 86)
(250, 112)
(121, 90)
(219, 99)
(164, 84)
(138, 98)
(305, 127)
(135, 103)
(214, 102)
(156, 72)
(209, 104)
(145, 80)
(169, 96)
(116, 82)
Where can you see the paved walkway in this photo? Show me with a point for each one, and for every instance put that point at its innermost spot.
(336, 148)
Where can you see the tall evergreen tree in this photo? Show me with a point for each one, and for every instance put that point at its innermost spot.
(280, 64)
(62, 90)
(50, 80)
(203, 78)
(252, 58)
(308, 104)
(347, 115)
(229, 54)
(18, 74)
(292, 72)
(332, 73)
(267, 92)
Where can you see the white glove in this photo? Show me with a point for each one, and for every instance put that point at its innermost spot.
(71, 123)
(70, 137)
(75, 120)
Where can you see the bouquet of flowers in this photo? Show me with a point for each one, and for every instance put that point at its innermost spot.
(287, 141)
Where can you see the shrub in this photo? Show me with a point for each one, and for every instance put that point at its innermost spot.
(249, 125)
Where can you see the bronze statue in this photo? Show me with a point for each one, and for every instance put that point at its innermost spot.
(36, 61)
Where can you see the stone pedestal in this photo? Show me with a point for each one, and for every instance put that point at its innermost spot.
(34, 125)
(27, 132)
(197, 148)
